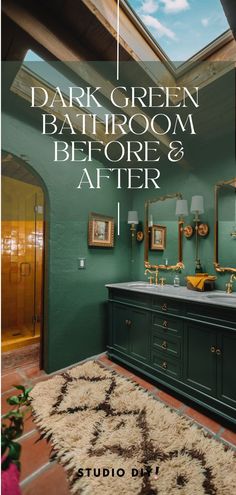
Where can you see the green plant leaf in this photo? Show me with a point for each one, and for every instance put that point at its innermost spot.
(6, 463)
(13, 400)
(7, 415)
(3, 449)
(28, 390)
(19, 387)
(14, 451)
(13, 414)
(4, 444)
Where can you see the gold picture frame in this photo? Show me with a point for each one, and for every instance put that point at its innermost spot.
(100, 231)
(158, 238)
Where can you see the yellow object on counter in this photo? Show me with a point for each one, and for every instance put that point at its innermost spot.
(199, 279)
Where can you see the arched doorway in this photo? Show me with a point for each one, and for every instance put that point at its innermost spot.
(23, 204)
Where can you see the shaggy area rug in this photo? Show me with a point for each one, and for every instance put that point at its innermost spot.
(113, 437)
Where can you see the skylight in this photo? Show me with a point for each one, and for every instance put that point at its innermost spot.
(49, 73)
(182, 27)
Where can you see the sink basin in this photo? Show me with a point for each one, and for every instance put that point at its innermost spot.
(146, 285)
(223, 298)
(140, 285)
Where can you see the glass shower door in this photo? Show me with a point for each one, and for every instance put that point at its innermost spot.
(22, 250)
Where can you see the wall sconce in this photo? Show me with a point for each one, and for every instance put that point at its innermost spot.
(133, 220)
(150, 221)
(201, 229)
(197, 208)
(233, 233)
(181, 209)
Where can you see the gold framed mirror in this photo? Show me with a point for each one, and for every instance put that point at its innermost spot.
(225, 226)
(163, 234)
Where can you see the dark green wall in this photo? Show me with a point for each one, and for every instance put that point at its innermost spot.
(75, 316)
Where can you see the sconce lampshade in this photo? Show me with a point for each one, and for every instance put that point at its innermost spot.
(181, 207)
(150, 221)
(197, 205)
(133, 217)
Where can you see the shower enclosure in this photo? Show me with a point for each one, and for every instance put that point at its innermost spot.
(22, 257)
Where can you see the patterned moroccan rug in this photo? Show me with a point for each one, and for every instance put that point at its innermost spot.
(114, 438)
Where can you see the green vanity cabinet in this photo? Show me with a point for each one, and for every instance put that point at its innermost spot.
(209, 364)
(130, 331)
(120, 330)
(188, 348)
(226, 373)
(200, 357)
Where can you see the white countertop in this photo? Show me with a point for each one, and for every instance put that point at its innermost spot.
(214, 297)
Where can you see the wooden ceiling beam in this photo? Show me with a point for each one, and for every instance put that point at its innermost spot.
(57, 41)
(132, 40)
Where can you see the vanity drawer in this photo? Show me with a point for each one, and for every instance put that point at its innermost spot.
(212, 314)
(166, 365)
(168, 346)
(131, 297)
(168, 306)
(167, 324)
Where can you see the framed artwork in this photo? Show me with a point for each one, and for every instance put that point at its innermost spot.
(101, 231)
(158, 238)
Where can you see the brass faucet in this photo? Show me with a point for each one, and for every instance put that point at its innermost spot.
(229, 285)
(153, 273)
(162, 281)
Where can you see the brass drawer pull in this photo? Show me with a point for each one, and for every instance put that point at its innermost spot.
(218, 352)
(164, 344)
(164, 365)
(164, 307)
(128, 323)
(165, 324)
(213, 349)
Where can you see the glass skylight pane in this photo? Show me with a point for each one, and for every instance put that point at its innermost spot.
(182, 27)
(55, 78)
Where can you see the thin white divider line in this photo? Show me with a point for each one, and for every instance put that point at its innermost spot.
(118, 42)
(36, 473)
(118, 219)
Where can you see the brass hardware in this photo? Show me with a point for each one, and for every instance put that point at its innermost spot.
(139, 236)
(218, 352)
(218, 267)
(153, 273)
(188, 231)
(229, 285)
(162, 281)
(165, 324)
(150, 280)
(164, 307)
(179, 266)
(213, 349)
(164, 344)
(203, 229)
(164, 365)
(128, 323)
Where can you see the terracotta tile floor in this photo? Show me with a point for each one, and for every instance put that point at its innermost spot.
(39, 476)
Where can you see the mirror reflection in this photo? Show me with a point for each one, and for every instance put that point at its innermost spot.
(163, 236)
(225, 229)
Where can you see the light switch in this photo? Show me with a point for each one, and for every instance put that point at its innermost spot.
(81, 263)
